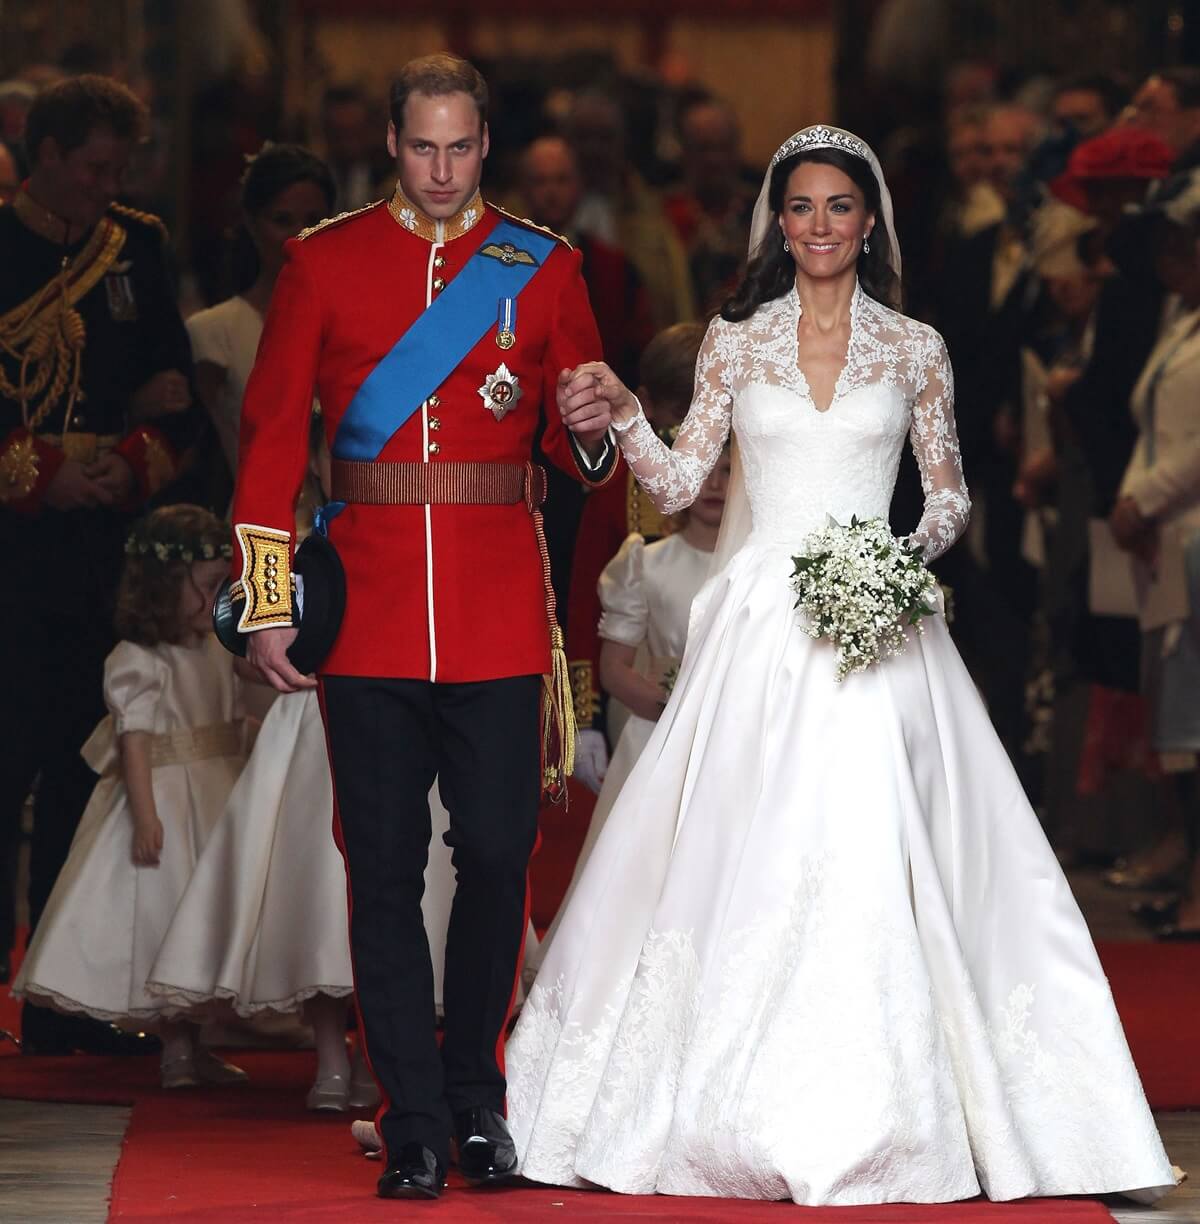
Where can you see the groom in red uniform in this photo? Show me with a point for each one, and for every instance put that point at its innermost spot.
(434, 329)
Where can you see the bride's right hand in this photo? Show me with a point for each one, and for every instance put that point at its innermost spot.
(592, 381)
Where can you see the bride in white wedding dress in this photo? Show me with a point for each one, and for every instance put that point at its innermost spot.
(821, 950)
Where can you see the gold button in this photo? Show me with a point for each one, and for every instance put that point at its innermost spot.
(439, 261)
(434, 448)
(272, 597)
(433, 401)
(438, 283)
(435, 423)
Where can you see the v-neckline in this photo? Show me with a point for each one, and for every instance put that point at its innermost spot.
(838, 391)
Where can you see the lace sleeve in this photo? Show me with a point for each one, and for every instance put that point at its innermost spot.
(672, 476)
(935, 445)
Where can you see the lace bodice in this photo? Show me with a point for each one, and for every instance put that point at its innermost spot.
(802, 464)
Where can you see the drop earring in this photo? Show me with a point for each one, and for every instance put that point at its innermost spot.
(787, 248)
(866, 244)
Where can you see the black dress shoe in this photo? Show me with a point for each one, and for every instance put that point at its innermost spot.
(44, 1031)
(413, 1173)
(487, 1155)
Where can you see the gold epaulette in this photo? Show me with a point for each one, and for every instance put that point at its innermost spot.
(330, 221)
(143, 218)
(532, 225)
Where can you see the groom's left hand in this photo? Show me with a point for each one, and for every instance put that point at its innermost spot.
(584, 412)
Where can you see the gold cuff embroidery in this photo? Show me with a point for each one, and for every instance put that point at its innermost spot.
(266, 577)
(18, 470)
(583, 692)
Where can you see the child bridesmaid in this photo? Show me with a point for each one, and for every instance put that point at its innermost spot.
(168, 755)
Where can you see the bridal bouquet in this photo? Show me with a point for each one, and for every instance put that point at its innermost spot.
(860, 587)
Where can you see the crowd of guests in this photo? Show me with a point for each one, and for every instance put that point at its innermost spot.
(1060, 241)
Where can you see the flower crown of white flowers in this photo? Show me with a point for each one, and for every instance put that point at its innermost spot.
(821, 137)
(188, 549)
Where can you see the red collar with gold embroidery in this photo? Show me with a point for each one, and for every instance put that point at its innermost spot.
(407, 214)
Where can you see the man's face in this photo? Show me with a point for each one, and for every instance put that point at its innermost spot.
(439, 152)
(711, 148)
(1156, 108)
(1081, 109)
(968, 154)
(550, 183)
(81, 184)
(9, 180)
(1009, 136)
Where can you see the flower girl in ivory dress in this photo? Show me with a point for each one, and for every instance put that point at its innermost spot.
(168, 755)
(821, 949)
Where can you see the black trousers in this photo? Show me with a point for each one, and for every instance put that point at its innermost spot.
(56, 609)
(388, 739)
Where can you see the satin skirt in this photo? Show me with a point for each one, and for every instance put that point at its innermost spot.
(821, 949)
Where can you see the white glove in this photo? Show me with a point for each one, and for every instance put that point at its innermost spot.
(591, 758)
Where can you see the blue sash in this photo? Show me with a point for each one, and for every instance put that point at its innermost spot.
(429, 352)
(425, 356)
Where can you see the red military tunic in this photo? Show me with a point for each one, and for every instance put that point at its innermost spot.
(448, 593)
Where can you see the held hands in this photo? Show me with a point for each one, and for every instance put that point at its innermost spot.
(108, 481)
(114, 476)
(147, 840)
(591, 397)
(267, 650)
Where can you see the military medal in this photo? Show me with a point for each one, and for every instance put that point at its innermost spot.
(506, 324)
(500, 392)
(122, 305)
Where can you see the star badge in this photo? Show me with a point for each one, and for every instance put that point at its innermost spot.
(500, 392)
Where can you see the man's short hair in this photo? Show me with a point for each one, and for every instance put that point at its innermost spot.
(668, 365)
(73, 109)
(435, 76)
(1185, 81)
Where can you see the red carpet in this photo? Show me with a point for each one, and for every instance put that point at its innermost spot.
(252, 1153)
(243, 1154)
(1157, 989)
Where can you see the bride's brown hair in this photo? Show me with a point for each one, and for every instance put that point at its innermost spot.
(772, 271)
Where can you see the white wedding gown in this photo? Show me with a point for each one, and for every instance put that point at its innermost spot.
(822, 950)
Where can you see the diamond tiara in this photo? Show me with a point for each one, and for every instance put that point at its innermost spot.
(821, 137)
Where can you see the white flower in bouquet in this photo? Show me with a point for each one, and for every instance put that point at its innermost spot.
(861, 588)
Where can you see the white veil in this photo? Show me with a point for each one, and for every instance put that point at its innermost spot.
(735, 523)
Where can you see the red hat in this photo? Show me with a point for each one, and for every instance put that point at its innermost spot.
(1119, 153)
